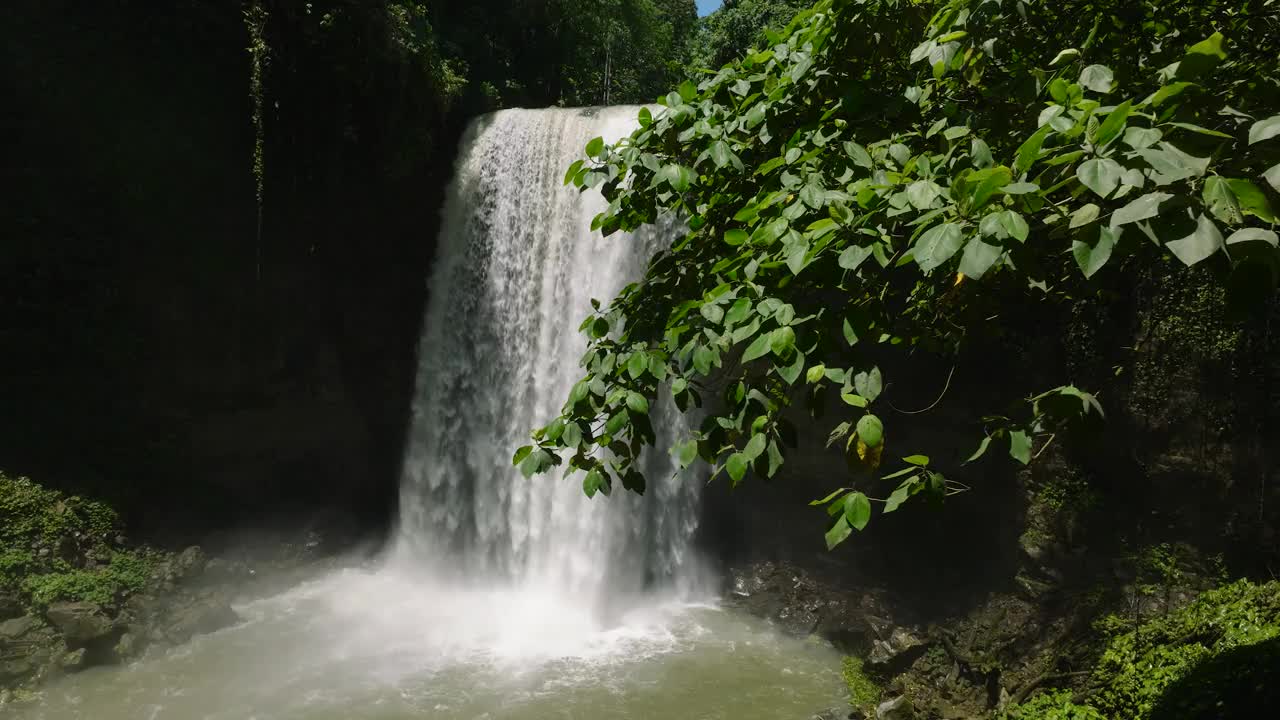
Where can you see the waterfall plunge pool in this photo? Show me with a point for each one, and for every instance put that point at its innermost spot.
(383, 644)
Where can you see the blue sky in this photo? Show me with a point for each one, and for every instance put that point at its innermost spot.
(706, 6)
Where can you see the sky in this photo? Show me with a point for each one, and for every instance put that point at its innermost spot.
(706, 6)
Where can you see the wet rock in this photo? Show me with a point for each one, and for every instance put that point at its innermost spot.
(182, 568)
(10, 606)
(127, 646)
(841, 713)
(898, 708)
(27, 648)
(199, 616)
(80, 622)
(73, 660)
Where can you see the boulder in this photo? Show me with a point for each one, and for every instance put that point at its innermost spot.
(27, 648)
(80, 623)
(199, 615)
(898, 708)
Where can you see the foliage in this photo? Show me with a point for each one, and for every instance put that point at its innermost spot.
(864, 693)
(739, 24)
(1138, 667)
(46, 538)
(1051, 706)
(887, 180)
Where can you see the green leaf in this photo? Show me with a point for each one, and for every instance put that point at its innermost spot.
(755, 447)
(1014, 225)
(938, 245)
(1029, 151)
(521, 454)
(857, 510)
(616, 422)
(1252, 200)
(1084, 215)
(1169, 92)
(1092, 248)
(838, 533)
(980, 153)
(536, 462)
(782, 341)
(1221, 200)
(815, 374)
(739, 311)
(1202, 58)
(834, 494)
(637, 364)
(1020, 447)
(758, 349)
(859, 155)
(685, 453)
(982, 449)
(737, 467)
(688, 91)
(979, 256)
(1199, 245)
(579, 392)
(1111, 128)
(1144, 208)
(637, 403)
(870, 430)
(594, 482)
(1264, 130)
(721, 155)
(987, 183)
(869, 384)
(853, 256)
(1064, 56)
(572, 437)
(1253, 235)
(1272, 177)
(735, 237)
(595, 147)
(645, 117)
(855, 400)
(1141, 138)
(1098, 78)
(1100, 176)
(920, 460)
(902, 494)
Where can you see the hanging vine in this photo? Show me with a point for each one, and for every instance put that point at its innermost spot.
(255, 20)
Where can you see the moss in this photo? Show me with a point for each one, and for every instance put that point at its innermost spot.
(57, 547)
(864, 693)
(1139, 667)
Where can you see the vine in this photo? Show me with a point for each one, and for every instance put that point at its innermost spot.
(255, 21)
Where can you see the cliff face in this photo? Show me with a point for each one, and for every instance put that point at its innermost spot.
(158, 348)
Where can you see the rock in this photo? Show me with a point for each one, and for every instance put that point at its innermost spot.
(72, 660)
(10, 606)
(841, 713)
(202, 615)
(898, 708)
(27, 648)
(126, 647)
(893, 646)
(188, 564)
(80, 622)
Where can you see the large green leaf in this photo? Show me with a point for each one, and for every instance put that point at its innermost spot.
(1092, 248)
(870, 430)
(1201, 244)
(979, 256)
(1220, 199)
(1111, 128)
(737, 467)
(1098, 78)
(1143, 208)
(869, 384)
(1264, 129)
(838, 532)
(1252, 200)
(1102, 176)
(1202, 58)
(857, 510)
(938, 245)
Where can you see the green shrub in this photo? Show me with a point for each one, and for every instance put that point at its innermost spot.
(1139, 666)
(1051, 706)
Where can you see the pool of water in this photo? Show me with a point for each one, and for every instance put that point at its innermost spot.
(371, 644)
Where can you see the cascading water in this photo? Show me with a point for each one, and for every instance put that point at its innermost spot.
(502, 598)
(516, 271)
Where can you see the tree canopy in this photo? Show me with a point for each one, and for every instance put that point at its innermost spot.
(882, 179)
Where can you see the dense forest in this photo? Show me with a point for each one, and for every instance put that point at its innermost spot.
(970, 313)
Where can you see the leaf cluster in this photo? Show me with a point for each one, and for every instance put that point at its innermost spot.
(885, 178)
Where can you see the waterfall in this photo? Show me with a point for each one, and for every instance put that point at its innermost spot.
(516, 269)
